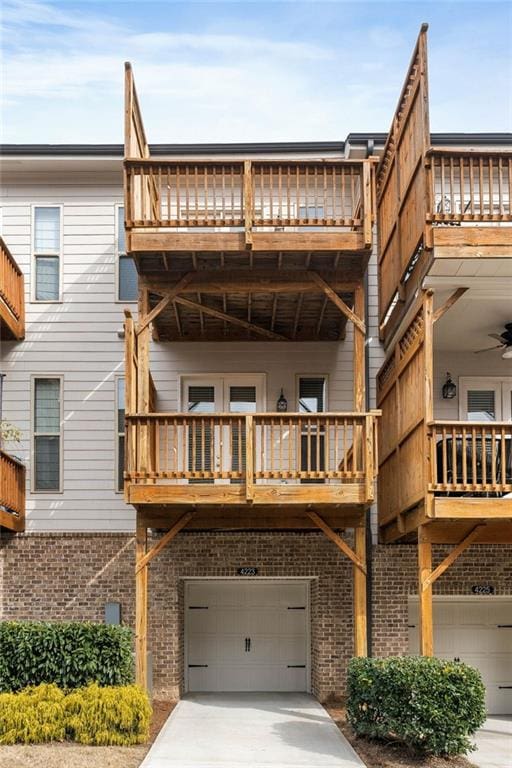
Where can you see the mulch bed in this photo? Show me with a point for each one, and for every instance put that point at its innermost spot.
(69, 755)
(380, 754)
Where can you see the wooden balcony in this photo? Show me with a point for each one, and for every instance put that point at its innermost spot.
(470, 209)
(470, 469)
(272, 459)
(12, 493)
(12, 296)
(270, 206)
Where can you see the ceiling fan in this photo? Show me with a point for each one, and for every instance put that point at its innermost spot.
(505, 340)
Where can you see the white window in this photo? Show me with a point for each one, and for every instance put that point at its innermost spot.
(127, 280)
(312, 396)
(47, 434)
(120, 433)
(47, 248)
(485, 398)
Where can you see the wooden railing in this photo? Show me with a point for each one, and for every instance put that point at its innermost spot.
(183, 194)
(470, 186)
(11, 290)
(252, 449)
(470, 457)
(12, 491)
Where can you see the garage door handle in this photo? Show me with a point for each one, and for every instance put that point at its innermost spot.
(504, 626)
(296, 666)
(505, 687)
(195, 666)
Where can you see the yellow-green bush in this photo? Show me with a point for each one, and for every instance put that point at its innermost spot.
(33, 716)
(118, 715)
(104, 716)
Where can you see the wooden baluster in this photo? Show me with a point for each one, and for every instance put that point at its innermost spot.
(168, 195)
(490, 170)
(344, 447)
(503, 461)
(433, 454)
(484, 458)
(464, 458)
(271, 194)
(461, 186)
(203, 447)
(445, 460)
(336, 445)
(441, 166)
(232, 189)
(471, 187)
(509, 164)
(473, 458)
(343, 193)
(290, 427)
(501, 209)
(317, 447)
(298, 446)
(493, 457)
(297, 193)
(308, 462)
(316, 193)
(455, 477)
(262, 193)
(327, 447)
(206, 214)
(481, 185)
(223, 193)
(280, 193)
(214, 193)
(306, 193)
(288, 202)
(452, 191)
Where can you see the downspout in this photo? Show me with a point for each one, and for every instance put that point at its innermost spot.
(369, 543)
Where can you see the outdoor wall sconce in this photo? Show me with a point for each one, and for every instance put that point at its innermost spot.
(449, 388)
(282, 403)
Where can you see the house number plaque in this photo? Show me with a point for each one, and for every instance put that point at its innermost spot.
(247, 571)
(482, 589)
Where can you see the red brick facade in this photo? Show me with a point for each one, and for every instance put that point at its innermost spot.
(72, 576)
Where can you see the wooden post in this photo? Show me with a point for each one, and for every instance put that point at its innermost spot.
(360, 621)
(130, 386)
(249, 457)
(425, 594)
(367, 203)
(143, 386)
(141, 607)
(248, 203)
(359, 341)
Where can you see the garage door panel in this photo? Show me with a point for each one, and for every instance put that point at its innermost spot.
(201, 620)
(469, 630)
(217, 654)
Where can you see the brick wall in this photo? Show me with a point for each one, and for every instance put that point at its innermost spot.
(71, 576)
(395, 577)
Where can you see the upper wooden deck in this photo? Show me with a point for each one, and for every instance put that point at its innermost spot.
(12, 296)
(434, 204)
(241, 206)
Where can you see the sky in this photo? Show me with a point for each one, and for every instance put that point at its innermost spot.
(246, 71)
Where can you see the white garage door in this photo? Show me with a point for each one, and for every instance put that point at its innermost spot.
(246, 635)
(477, 631)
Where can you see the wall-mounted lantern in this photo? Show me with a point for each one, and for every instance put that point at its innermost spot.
(449, 388)
(282, 403)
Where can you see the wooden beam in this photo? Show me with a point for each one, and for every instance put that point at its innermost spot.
(454, 554)
(169, 295)
(166, 538)
(360, 619)
(336, 539)
(358, 352)
(230, 319)
(338, 302)
(141, 606)
(248, 203)
(425, 596)
(448, 303)
(143, 384)
(246, 281)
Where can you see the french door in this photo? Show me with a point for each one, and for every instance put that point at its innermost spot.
(217, 445)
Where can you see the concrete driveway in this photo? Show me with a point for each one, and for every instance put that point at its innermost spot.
(260, 730)
(494, 743)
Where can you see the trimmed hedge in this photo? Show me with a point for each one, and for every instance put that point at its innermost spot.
(70, 654)
(431, 705)
(92, 715)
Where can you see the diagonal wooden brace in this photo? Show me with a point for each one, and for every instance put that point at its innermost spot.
(166, 538)
(334, 537)
(454, 554)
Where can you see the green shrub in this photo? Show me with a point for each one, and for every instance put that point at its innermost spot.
(429, 704)
(69, 654)
(34, 716)
(105, 716)
(92, 715)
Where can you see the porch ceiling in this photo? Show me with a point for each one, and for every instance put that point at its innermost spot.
(466, 325)
(252, 297)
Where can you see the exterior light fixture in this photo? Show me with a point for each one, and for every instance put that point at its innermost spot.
(449, 388)
(282, 403)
